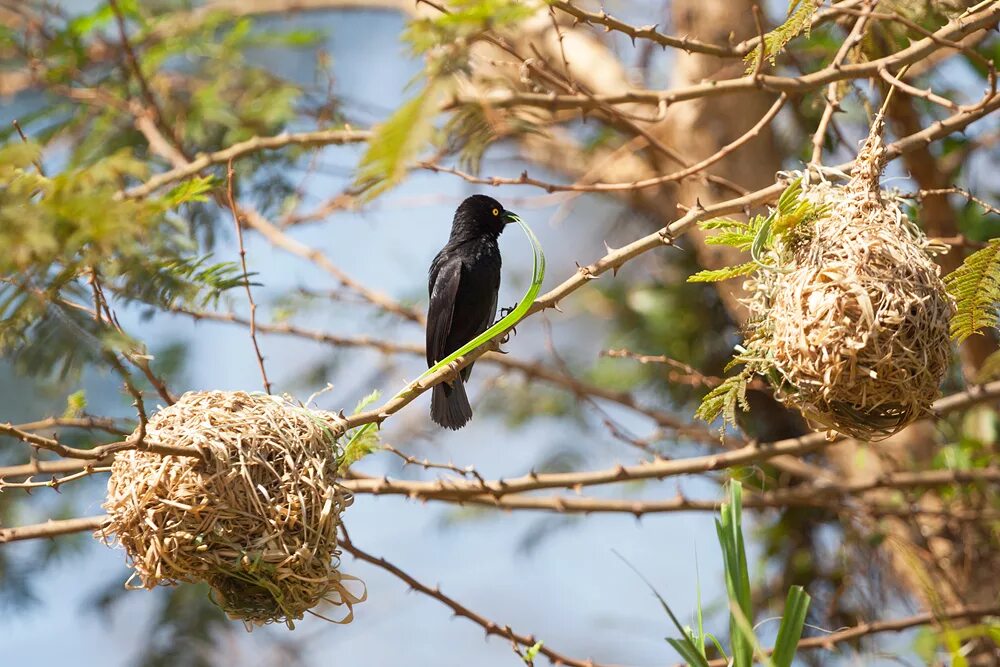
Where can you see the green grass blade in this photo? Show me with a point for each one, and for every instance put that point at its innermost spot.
(730, 533)
(745, 632)
(792, 621)
(698, 609)
(688, 652)
(762, 241)
(685, 647)
(718, 646)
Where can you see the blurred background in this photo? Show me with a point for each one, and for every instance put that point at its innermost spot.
(562, 577)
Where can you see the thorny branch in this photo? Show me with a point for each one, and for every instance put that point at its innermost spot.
(850, 498)
(230, 175)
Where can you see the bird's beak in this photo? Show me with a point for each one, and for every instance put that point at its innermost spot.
(510, 216)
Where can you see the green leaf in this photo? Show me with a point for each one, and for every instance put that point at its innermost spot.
(730, 532)
(367, 400)
(463, 20)
(364, 439)
(174, 281)
(76, 403)
(398, 141)
(733, 233)
(195, 189)
(532, 652)
(725, 398)
(717, 275)
(792, 621)
(761, 242)
(975, 285)
(799, 20)
(83, 25)
(688, 652)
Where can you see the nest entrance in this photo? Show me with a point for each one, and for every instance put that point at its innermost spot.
(256, 518)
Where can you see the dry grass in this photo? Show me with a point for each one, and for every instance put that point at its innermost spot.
(256, 519)
(856, 323)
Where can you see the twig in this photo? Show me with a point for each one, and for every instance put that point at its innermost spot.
(24, 138)
(571, 504)
(46, 467)
(865, 629)
(101, 305)
(562, 49)
(53, 482)
(954, 30)
(97, 453)
(51, 529)
(681, 174)
(152, 112)
(832, 103)
(458, 489)
(955, 190)
(106, 424)
(758, 23)
(530, 370)
(928, 94)
(276, 142)
(688, 374)
(490, 627)
(280, 239)
(246, 274)
(686, 44)
(467, 471)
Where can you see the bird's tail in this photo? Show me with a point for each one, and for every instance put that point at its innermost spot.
(450, 405)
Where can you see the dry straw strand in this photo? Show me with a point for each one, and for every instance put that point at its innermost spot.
(256, 518)
(858, 319)
(849, 317)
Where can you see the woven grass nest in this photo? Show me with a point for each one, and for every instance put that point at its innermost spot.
(855, 320)
(256, 518)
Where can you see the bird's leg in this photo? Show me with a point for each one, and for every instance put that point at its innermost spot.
(504, 312)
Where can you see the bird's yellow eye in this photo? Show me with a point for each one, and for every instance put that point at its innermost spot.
(496, 212)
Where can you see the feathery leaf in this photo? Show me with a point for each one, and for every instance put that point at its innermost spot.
(799, 20)
(975, 285)
(398, 141)
(718, 275)
(725, 398)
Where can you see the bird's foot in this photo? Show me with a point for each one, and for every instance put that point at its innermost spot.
(453, 371)
(504, 312)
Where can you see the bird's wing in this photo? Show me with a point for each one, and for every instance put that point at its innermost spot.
(491, 318)
(491, 315)
(444, 288)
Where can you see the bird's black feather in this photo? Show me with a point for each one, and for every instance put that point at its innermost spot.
(463, 283)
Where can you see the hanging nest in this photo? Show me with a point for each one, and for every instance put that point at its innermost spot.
(854, 318)
(255, 518)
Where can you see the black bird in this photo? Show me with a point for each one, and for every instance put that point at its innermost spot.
(463, 283)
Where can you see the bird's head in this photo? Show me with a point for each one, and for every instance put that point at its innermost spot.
(480, 214)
